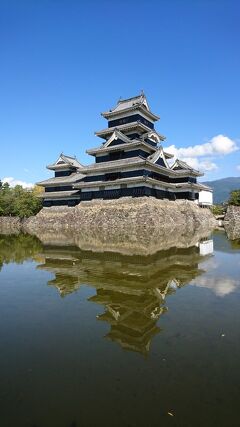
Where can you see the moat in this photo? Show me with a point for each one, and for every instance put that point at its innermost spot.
(119, 340)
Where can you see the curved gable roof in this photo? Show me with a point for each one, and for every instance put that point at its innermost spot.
(159, 154)
(181, 165)
(65, 161)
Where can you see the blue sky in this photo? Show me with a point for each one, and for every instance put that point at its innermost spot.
(64, 61)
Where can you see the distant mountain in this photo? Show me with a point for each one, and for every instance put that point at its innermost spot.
(223, 187)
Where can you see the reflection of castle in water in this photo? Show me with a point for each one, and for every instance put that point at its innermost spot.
(132, 289)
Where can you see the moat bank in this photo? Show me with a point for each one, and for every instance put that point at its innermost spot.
(232, 222)
(142, 224)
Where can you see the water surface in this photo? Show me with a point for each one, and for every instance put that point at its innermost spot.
(105, 339)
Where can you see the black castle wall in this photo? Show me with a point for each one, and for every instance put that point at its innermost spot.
(130, 119)
(122, 192)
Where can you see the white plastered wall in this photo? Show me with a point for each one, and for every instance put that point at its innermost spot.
(205, 197)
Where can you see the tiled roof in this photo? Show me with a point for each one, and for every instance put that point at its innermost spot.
(133, 180)
(131, 162)
(134, 143)
(62, 179)
(114, 163)
(203, 187)
(117, 135)
(130, 102)
(125, 105)
(72, 160)
(194, 185)
(155, 156)
(125, 128)
(184, 166)
(110, 183)
(57, 194)
(65, 161)
(153, 135)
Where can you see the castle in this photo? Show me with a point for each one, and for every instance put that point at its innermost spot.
(130, 162)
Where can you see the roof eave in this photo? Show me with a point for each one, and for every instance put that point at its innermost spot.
(109, 165)
(189, 170)
(205, 187)
(61, 166)
(182, 173)
(133, 143)
(125, 127)
(58, 194)
(56, 181)
(109, 183)
(109, 114)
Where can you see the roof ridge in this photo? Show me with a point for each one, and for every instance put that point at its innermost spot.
(155, 156)
(184, 163)
(133, 97)
(70, 157)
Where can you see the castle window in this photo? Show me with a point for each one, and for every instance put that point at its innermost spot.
(112, 176)
(115, 155)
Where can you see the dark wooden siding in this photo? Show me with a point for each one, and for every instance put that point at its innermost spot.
(150, 142)
(160, 162)
(114, 176)
(133, 135)
(158, 176)
(64, 173)
(117, 142)
(122, 155)
(140, 172)
(122, 192)
(58, 188)
(130, 119)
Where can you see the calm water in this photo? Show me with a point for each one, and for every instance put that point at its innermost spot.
(90, 339)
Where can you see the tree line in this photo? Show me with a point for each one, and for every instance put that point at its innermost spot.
(233, 200)
(18, 201)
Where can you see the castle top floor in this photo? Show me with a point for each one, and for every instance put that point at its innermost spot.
(131, 110)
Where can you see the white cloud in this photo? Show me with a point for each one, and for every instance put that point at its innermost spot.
(221, 286)
(13, 182)
(219, 145)
(238, 167)
(204, 165)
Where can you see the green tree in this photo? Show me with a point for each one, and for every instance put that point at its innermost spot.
(218, 209)
(6, 200)
(18, 201)
(234, 198)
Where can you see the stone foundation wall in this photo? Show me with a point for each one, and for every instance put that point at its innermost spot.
(143, 223)
(123, 216)
(125, 222)
(232, 222)
(10, 224)
(233, 214)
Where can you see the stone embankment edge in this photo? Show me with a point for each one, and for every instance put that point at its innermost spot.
(121, 217)
(232, 222)
(232, 215)
(10, 224)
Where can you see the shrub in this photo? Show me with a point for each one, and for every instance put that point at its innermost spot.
(234, 198)
(18, 201)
